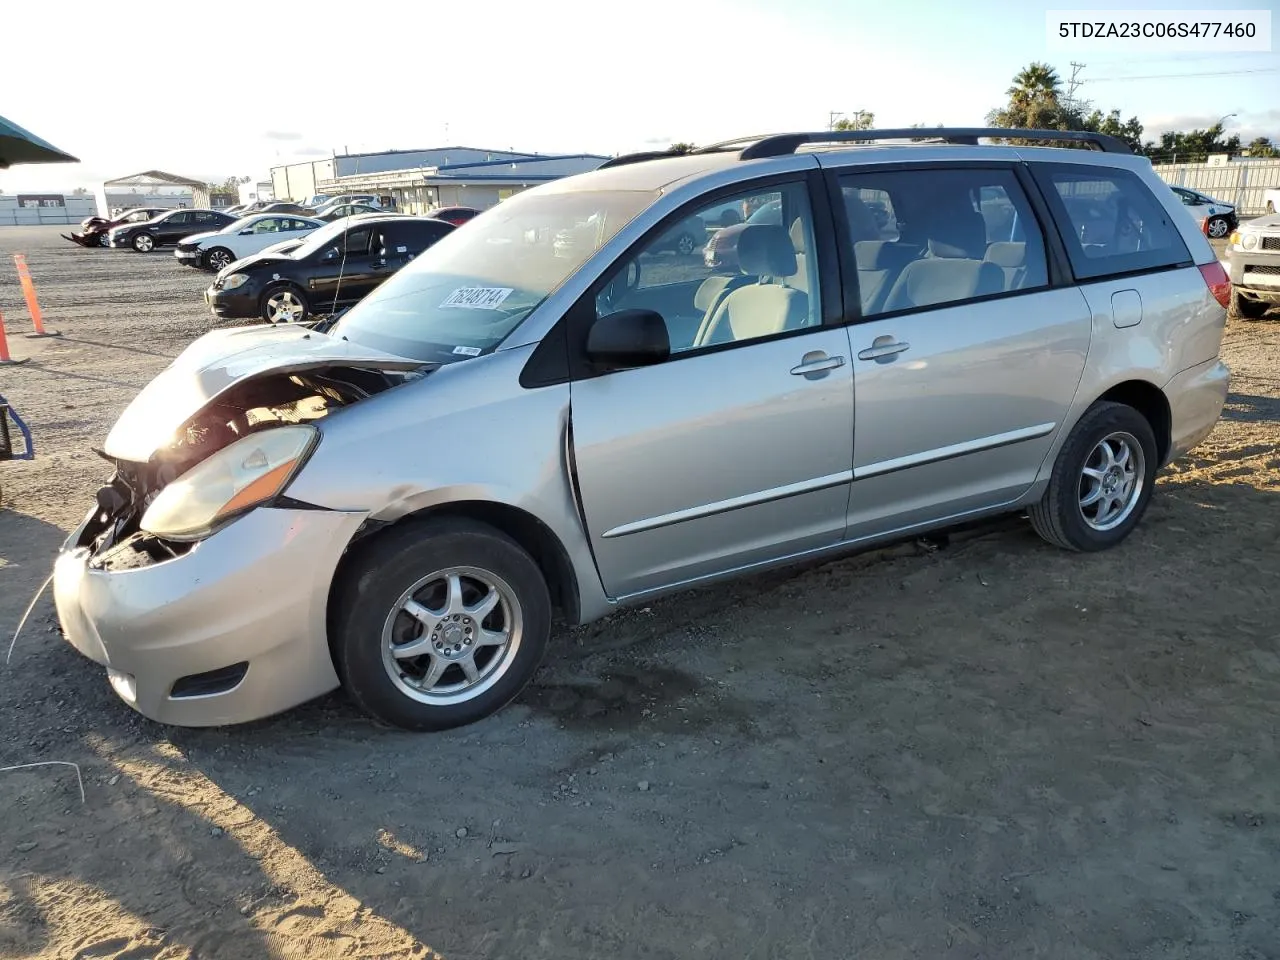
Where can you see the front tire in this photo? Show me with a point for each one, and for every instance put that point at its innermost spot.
(1101, 482)
(217, 258)
(284, 304)
(1219, 227)
(104, 240)
(1245, 308)
(439, 624)
(144, 243)
(686, 245)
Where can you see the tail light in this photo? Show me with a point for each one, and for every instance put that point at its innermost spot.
(1216, 279)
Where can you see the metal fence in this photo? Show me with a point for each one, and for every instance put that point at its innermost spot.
(74, 210)
(1241, 182)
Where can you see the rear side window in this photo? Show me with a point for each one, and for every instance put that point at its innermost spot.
(938, 237)
(1111, 222)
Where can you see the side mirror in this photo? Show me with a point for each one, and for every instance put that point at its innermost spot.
(245, 232)
(332, 253)
(629, 338)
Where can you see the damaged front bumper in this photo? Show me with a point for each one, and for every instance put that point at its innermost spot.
(230, 631)
(87, 239)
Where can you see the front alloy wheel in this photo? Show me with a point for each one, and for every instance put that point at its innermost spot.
(284, 305)
(1219, 227)
(144, 243)
(104, 240)
(218, 259)
(438, 623)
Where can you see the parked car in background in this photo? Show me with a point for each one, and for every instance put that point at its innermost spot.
(282, 206)
(721, 251)
(1220, 216)
(167, 229)
(336, 211)
(96, 231)
(1253, 258)
(237, 240)
(333, 267)
(455, 215)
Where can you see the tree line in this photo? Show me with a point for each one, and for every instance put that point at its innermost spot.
(1037, 102)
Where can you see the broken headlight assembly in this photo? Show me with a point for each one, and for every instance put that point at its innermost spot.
(237, 478)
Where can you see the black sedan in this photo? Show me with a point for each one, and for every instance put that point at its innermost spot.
(168, 228)
(331, 269)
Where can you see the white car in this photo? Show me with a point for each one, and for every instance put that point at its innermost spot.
(1220, 214)
(245, 237)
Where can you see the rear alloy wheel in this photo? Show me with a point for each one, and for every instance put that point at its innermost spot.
(284, 305)
(1219, 227)
(1245, 308)
(439, 624)
(1102, 480)
(218, 258)
(144, 243)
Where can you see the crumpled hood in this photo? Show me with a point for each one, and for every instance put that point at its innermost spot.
(218, 361)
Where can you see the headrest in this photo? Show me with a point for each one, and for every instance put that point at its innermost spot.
(958, 233)
(862, 223)
(764, 250)
(798, 240)
(884, 254)
(1007, 254)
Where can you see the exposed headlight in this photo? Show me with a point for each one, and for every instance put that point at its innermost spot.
(235, 479)
(235, 280)
(1249, 240)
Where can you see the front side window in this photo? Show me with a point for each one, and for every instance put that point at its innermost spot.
(929, 238)
(1112, 222)
(467, 292)
(712, 286)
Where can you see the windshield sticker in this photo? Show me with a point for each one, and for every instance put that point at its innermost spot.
(477, 298)
(467, 351)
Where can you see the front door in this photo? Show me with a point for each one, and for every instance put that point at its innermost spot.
(738, 449)
(967, 359)
(345, 272)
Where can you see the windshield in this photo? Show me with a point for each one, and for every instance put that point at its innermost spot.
(463, 295)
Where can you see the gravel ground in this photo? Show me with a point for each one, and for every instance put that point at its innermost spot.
(986, 749)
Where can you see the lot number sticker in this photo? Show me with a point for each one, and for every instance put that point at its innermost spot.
(477, 298)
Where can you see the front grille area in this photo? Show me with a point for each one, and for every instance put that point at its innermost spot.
(1271, 243)
(1271, 271)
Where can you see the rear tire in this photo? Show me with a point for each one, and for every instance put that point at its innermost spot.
(414, 567)
(1244, 308)
(1086, 478)
(144, 243)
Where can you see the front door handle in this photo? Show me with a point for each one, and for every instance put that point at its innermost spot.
(882, 348)
(815, 364)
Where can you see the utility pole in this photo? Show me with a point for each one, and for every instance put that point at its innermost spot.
(832, 117)
(1074, 83)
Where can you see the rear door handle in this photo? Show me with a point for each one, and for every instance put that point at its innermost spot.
(816, 364)
(883, 347)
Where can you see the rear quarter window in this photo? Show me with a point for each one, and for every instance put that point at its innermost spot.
(1110, 221)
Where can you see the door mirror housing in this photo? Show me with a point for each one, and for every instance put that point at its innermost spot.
(629, 338)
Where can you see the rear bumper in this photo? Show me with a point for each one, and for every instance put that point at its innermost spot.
(255, 593)
(1196, 398)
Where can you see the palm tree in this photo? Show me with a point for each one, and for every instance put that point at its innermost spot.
(1036, 82)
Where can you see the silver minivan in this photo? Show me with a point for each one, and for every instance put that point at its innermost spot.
(511, 428)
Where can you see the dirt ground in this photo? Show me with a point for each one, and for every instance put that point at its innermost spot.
(985, 750)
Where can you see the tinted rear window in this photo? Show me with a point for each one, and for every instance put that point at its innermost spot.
(1111, 222)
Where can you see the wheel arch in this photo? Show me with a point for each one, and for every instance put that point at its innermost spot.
(530, 533)
(1150, 401)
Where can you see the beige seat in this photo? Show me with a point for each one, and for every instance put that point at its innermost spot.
(954, 268)
(879, 264)
(768, 306)
(1011, 258)
(800, 244)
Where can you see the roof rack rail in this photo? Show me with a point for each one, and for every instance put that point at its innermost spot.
(726, 146)
(624, 158)
(784, 143)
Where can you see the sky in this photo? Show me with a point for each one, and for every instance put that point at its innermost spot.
(281, 82)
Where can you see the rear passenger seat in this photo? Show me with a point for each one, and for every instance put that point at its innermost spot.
(1011, 258)
(879, 264)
